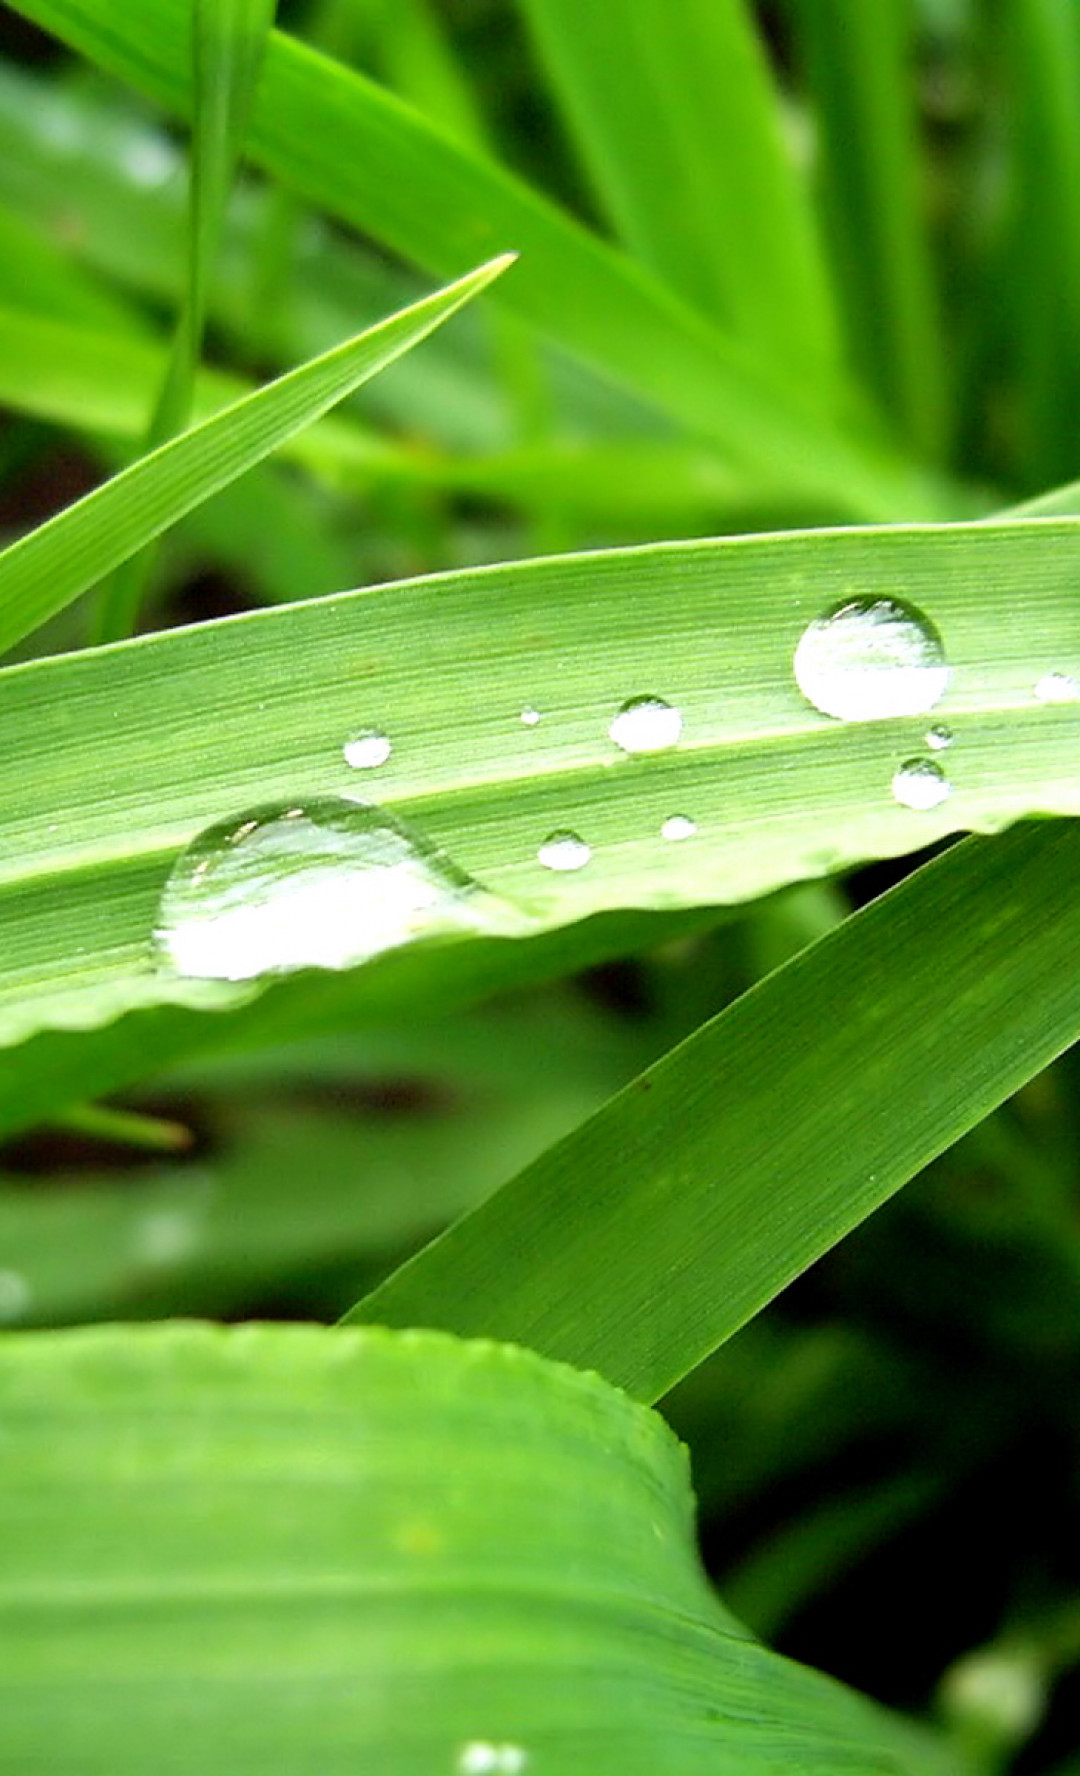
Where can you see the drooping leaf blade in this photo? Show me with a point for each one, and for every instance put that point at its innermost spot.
(646, 1238)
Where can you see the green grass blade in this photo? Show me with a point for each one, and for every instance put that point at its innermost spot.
(46, 570)
(228, 42)
(337, 1606)
(778, 792)
(859, 62)
(679, 124)
(654, 1232)
(355, 150)
(1039, 45)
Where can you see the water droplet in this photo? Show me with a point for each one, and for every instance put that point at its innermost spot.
(646, 724)
(564, 850)
(921, 784)
(150, 160)
(326, 885)
(165, 1236)
(871, 658)
(937, 739)
(530, 717)
(15, 1296)
(678, 826)
(366, 750)
(482, 1758)
(1057, 687)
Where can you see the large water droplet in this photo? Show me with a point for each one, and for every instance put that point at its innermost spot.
(324, 885)
(1057, 687)
(646, 724)
(15, 1296)
(871, 658)
(678, 826)
(367, 750)
(564, 850)
(921, 784)
(939, 738)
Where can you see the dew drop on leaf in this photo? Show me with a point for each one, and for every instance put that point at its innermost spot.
(564, 850)
(367, 749)
(481, 1758)
(15, 1296)
(921, 784)
(1057, 687)
(646, 724)
(870, 658)
(327, 884)
(939, 738)
(678, 826)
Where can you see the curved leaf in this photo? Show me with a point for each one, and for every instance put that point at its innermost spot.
(239, 1549)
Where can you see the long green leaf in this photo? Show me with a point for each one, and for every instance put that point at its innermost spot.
(49, 568)
(681, 128)
(195, 726)
(237, 1549)
(349, 147)
(653, 1233)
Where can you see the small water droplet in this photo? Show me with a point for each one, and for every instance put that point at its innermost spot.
(1057, 687)
(326, 885)
(564, 850)
(871, 658)
(482, 1758)
(678, 826)
(939, 738)
(921, 784)
(15, 1296)
(368, 749)
(646, 724)
(530, 717)
(150, 160)
(164, 1236)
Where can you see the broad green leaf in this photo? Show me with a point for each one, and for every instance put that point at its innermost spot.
(237, 1547)
(654, 1232)
(55, 563)
(347, 146)
(681, 128)
(859, 61)
(196, 726)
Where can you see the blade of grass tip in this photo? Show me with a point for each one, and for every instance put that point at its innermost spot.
(229, 39)
(54, 564)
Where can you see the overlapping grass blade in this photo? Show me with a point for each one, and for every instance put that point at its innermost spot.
(349, 147)
(654, 1232)
(679, 124)
(46, 570)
